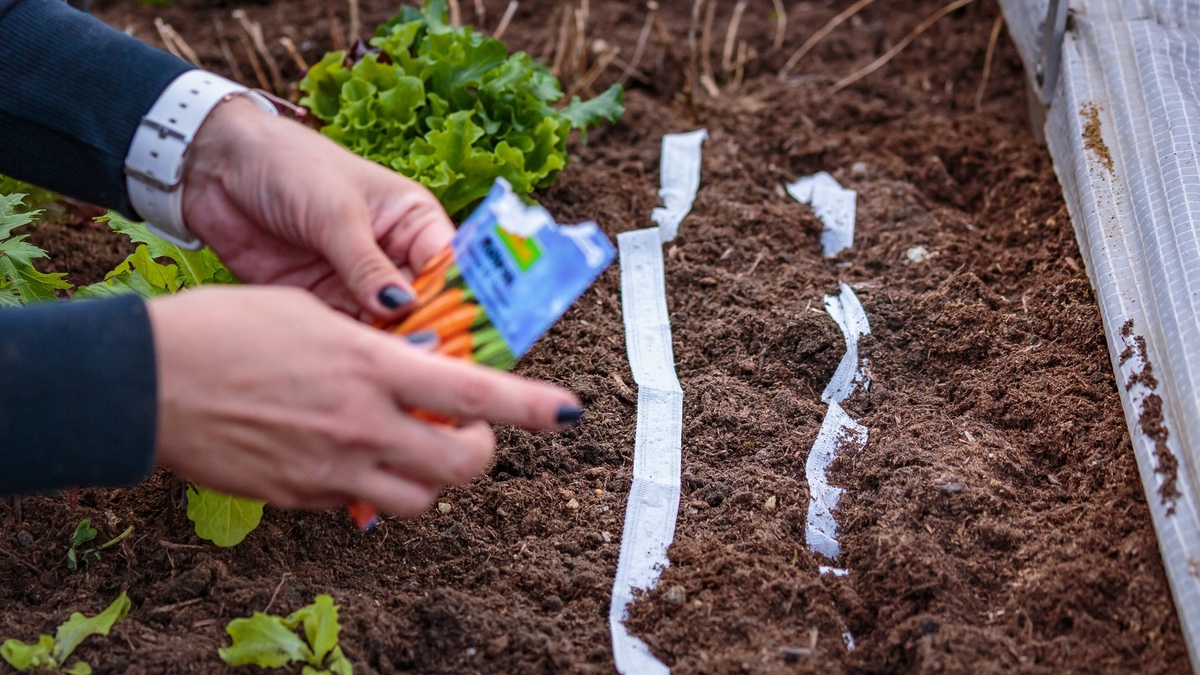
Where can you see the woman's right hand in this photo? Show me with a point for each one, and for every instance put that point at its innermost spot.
(268, 393)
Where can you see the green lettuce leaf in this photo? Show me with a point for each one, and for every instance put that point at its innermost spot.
(263, 640)
(51, 653)
(271, 642)
(450, 108)
(222, 519)
(79, 627)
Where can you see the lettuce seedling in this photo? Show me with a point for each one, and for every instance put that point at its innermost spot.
(450, 108)
(51, 653)
(271, 641)
(20, 282)
(84, 533)
(220, 518)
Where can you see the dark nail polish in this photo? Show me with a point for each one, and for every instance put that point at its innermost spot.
(422, 338)
(569, 415)
(394, 297)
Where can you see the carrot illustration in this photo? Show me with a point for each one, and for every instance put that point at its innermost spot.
(458, 320)
(445, 302)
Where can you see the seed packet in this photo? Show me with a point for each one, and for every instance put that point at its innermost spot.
(506, 277)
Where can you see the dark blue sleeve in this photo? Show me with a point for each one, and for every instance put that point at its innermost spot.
(72, 92)
(79, 387)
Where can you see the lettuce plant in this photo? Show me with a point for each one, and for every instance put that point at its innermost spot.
(52, 652)
(450, 108)
(269, 641)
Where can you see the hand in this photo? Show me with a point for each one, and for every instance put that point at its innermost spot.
(268, 393)
(282, 204)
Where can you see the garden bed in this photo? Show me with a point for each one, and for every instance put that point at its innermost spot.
(994, 522)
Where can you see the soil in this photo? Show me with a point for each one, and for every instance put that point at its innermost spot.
(994, 522)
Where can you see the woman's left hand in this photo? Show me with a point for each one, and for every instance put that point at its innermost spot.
(282, 204)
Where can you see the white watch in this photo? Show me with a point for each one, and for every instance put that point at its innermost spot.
(155, 161)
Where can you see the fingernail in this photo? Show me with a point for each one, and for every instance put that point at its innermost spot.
(569, 415)
(394, 297)
(423, 338)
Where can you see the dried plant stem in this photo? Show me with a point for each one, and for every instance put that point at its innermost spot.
(643, 38)
(731, 37)
(355, 23)
(226, 51)
(506, 19)
(254, 30)
(175, 42)
(820, 35)
(781, 24)
(551, 42)
(987, 61)
(706, 76)
(480, 13)
(664, 35)
(589, 78)
(294, 53)
(692, 45)
(455, 13)
(580, 43)
(743, 58)
(163, 35)
(916, 32)
(259, 73)
(564, 34)
(337, 37)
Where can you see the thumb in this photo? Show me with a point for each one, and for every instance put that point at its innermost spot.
(373, 279)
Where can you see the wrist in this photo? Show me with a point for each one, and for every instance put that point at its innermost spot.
(155, 162)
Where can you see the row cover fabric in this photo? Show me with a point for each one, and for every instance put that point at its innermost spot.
(1123, 127)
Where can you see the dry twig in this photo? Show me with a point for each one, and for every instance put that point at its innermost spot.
(744, 56)
(731, 37)
(290, 48)
(820, 35)
(227, 52)
(987, 61)
(337, 37)
(916, 32)
(355, 23)
(706, 76)
(255, 31)
(589, 78)
(643, 38)
(263, 80)
(564, 42)
(175, 42)
(480, 13)
(276, 592)
(13, 556)
(506, 19)
(455, 13)
(781, 23)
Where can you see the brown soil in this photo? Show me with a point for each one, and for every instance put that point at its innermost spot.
(994, 523)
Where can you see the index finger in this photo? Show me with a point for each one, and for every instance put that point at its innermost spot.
(467, 392)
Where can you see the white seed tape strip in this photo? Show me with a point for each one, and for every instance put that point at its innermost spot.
(833, 204)
(847, 312)
(838, 431)
(679, 173)
(654, 494)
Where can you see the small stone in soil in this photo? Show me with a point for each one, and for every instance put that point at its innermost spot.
(24, 538)
(952, 488)
(444, 507)
(858, 170)
(676, 595)
(573, 504)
